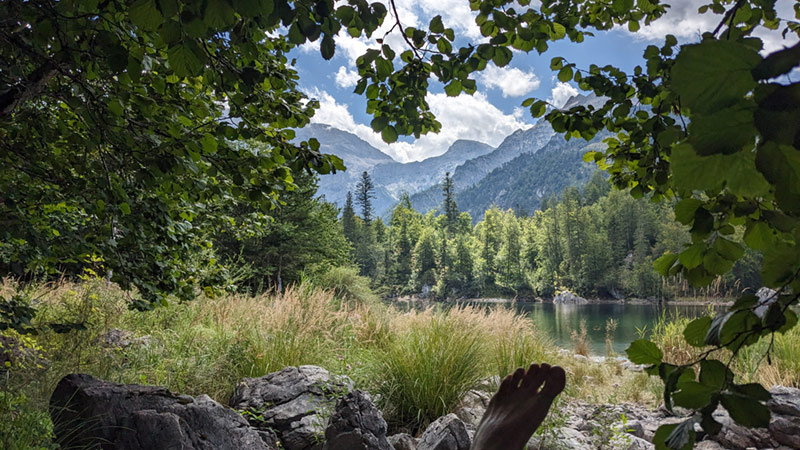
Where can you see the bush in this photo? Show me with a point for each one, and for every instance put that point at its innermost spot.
(346, 284)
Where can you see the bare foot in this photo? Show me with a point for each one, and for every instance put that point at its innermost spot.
(519, 407)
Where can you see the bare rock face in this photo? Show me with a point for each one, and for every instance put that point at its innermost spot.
(785, 408)
(91, 413)
(356, 425)
(445, 433)
(295, 403)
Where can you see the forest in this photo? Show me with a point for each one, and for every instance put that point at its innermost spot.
(594, 241)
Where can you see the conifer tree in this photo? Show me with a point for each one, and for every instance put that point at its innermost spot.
(349, 226)
(365, 192)
(450, 206)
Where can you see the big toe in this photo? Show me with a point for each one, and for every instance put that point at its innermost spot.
(556, 380)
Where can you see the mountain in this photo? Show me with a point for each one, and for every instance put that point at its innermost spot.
(419, 175)
(523, 182)
(474, 170)
(358, 156)
(527, 166)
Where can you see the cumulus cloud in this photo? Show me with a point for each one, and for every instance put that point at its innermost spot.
(346, 78)
(561, 93)
(687, 24)
(463, 117)
(511, 81)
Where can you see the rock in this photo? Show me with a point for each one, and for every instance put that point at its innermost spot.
(785, 424)
(403, 441)
(116, 338)
(295, 402)
(737, 436)
(639, 444)
(88, 412)
(568, 298)
(561, 438)
(445, 433)
(708, 445)
(356, 425)
(472, 407)
(766, 296)
(634, 428)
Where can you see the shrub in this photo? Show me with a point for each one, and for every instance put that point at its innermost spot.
(346, 284)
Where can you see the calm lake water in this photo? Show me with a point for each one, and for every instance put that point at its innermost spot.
(559, 321)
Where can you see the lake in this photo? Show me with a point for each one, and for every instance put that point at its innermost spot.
(559, 321)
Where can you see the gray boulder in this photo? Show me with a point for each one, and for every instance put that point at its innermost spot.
(91, 413)
(356, 425)
(445, 433)
(295, 403)
(785, 424)
(568, 298)
(403, 441)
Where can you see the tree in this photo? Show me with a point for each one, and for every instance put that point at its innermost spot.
(301, 233)
(450, 206)
(365, 192)
(349, 220)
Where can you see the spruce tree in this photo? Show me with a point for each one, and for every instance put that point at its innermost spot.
(349, 220)
(364, 195)
(450, 206)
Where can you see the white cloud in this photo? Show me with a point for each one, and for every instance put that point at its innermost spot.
(346, 78)
(561, 93)
(462, 117)
(687, 24)
(512, 81)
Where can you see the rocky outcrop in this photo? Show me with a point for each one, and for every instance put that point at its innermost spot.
(445, 433)
(568, 298)
(295, 402)
(403, 441)
(783, 430)
(356, 425)
(90, 413)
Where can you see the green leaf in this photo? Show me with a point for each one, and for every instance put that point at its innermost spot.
(713, 74)
(696, 331)
(565, 74)
(727, 131)
(219, 14)
(502, 56)
(125, 208)
(780, 164)
(145, 14)
(693, 256)
(327, 47)
(745, 410)
(453, 89)
(692, 395)
(728, 249)
(436, 25)
(714, 374)
(676, 436)
(759, 236)
(711, 173)
(379, 123)
(184, 59)
(685, 209)
(642, 351)
(389, 134)
(664, 263)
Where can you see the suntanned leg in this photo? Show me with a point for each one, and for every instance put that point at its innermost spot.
(519, 407)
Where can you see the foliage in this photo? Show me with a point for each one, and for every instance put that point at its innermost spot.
(347, 284)
(21, 426)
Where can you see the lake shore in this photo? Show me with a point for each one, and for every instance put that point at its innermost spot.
(593, 301)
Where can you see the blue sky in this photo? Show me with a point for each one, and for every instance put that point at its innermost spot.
(494, 111)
